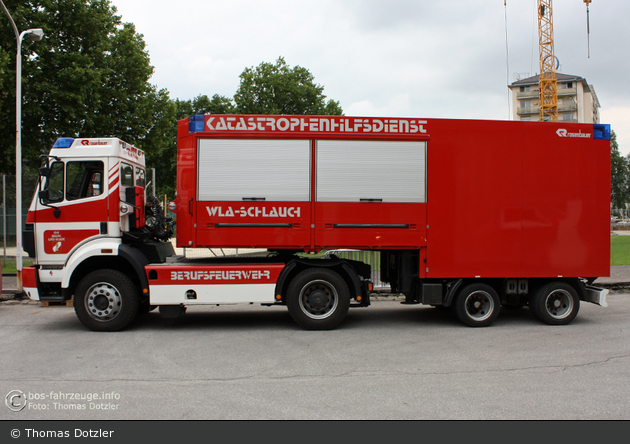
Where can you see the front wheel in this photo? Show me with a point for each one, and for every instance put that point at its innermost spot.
(318, 299)
(106, 300)
(477, 305)
(556, 303)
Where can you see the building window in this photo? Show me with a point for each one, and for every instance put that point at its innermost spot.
(567, 116)
(528, 118)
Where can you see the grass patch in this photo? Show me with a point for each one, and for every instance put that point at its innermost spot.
(619, 250)
(10, 266)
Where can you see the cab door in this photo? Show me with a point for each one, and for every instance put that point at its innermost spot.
(72, 208)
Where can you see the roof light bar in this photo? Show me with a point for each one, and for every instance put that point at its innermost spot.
(63, 142)
(601, 131)
(196, 123)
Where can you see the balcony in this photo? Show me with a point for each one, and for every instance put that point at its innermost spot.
(528, 110)
(567, 92)
(567, 107)
(527, 95)
(525, 110)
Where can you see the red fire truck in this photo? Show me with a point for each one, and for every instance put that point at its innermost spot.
(467, 214)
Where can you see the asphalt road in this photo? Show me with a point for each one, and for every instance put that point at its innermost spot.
(386, 362)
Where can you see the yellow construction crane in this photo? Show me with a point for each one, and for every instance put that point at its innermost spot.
(548, 84)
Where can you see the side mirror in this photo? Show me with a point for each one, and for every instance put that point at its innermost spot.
(44, 197)
(44, 172)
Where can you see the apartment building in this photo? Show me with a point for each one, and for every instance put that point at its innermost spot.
(577, 101)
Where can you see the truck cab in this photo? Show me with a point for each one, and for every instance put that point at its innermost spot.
(88, 211)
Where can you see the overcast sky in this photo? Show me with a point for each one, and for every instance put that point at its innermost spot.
(416, 58)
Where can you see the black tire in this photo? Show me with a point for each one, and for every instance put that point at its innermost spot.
(106, 300)
(556, 303)
(318, 299)
(477, 305)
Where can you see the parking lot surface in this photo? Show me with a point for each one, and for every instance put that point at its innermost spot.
(388, 361)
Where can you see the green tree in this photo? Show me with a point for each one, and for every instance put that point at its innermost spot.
(5, 62)
(88, 77)
(619, 175)
(266, 89)
(279, 89)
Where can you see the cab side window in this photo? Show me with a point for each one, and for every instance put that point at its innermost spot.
(83, 179)
(126, 175)
(140, 177)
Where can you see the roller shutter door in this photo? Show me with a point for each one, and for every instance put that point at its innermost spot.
(241, 169)
(382, 171)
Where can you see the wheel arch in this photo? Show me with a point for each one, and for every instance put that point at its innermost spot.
(451, 291)
(126, 260)
(294, 267)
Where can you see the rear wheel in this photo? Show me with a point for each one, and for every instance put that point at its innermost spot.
(318, 299)
(556, 303)
(477, 305)
(106, 300)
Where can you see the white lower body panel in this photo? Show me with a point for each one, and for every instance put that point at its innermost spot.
(212, 294)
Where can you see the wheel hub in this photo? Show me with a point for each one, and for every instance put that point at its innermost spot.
(479, 305)
(559, 304)
(318, 299)
(103, 301)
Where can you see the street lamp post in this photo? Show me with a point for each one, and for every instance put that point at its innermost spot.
(34, 35)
